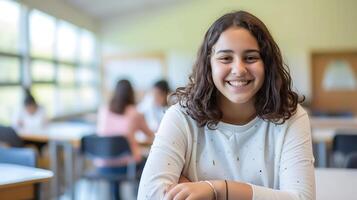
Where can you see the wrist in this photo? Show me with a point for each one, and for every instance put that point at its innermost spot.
(220, 187)
(214, 191)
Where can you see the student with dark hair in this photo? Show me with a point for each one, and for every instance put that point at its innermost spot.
(237, 130)
(155, 104)
(120, 117)
(31, 116)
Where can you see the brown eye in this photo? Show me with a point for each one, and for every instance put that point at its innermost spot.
(225, 59)
(251, 59)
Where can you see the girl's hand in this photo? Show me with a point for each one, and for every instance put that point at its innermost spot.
(190, 191)
(183, 179)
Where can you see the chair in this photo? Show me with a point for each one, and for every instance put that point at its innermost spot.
(343, 144)
(94, 147)
(19, 156)
(10, 137)
(351, 160)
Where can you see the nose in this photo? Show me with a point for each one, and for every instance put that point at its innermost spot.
(238, 68)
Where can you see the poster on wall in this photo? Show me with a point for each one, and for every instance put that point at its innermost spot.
(334, 83)
(338, 76)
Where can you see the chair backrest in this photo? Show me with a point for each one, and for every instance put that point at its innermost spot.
(19, 156)
(344, 143)
(105, 147)
(351, 160)
(9, 136)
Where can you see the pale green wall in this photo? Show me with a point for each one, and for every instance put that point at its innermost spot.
(299, 27)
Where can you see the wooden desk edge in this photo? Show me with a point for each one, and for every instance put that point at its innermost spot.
(34, 181)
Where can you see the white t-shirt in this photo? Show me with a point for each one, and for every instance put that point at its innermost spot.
(276, 160)
(153, 113)
(23, 120)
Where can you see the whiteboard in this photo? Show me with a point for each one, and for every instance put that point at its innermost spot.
(142, 73)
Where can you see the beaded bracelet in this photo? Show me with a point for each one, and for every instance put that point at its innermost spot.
(214, 189)
(226, 189)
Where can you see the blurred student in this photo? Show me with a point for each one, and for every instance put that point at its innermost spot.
(155, 104)
(30, 116)
(120, 117)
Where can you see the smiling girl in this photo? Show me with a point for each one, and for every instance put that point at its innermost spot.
(237, 130)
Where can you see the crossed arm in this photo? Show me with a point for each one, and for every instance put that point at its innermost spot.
(186, 189)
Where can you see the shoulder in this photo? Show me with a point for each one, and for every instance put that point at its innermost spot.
(176, 126)
(103, 109)
(146, 103)
(178, 111)
(133, 113)
(298, 126)
(176, 114)
(300, 114)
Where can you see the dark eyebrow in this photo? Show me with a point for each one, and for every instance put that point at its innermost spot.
(252, 51)
(231, 51)
(225, 51)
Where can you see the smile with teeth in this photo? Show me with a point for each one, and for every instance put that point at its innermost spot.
(239, 83)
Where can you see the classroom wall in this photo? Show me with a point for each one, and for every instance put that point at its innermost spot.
(299, 28)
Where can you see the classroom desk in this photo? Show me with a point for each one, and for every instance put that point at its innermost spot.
(333, 183)
(17, 182)
(66, 135)
(323, 131)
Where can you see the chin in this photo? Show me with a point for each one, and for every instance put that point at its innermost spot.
(239, 100)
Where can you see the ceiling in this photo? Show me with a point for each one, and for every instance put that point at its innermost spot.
(108, 9)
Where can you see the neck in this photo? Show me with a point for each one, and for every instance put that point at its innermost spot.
(238, 114)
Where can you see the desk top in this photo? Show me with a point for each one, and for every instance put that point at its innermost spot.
(13, 175)
(333, 122)
(66, 131)
(332, 184)
(325, 128)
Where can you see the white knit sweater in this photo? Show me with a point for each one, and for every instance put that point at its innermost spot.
(276, 160)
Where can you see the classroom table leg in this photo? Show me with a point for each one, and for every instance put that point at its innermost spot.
(322, 154)
(69, 167)
(53, 149)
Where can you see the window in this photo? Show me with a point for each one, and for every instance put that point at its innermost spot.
(42, 71)
(87, 43)
(11, 97)
(66, 41)
(45, 95)
(42, 34)
(10, 69)
(57, 62)
(10, 26)
(66, 75)
(56, 70)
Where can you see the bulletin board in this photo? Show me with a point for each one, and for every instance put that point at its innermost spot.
(334, 81)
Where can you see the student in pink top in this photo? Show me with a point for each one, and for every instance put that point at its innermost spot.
(122, 118)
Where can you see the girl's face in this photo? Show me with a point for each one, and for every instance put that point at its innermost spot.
(159, 97)
(237, 68)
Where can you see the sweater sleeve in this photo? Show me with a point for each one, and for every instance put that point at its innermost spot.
(167, 156)
(296, 171)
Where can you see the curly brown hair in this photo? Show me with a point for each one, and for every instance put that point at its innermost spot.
(274, 102)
